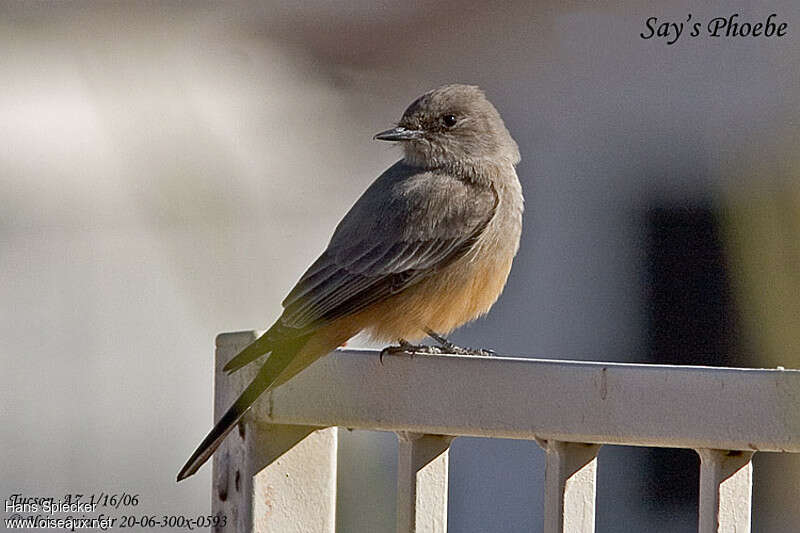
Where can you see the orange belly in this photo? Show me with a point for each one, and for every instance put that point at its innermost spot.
(454, 296)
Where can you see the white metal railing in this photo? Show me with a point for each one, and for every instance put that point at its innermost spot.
(278, 471)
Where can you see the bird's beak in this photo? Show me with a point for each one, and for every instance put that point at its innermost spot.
(398, 134)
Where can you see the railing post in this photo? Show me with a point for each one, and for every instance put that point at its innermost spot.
(270, 477)
(569, 486)
(422, 482)
(726, 488)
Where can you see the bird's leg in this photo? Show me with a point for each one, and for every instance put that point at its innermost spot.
(449, 347)
(445, 346)
(403, 346)
(443, 342)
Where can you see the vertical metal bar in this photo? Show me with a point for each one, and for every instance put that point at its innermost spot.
(726, 489)
(270, 477)
(569, 486)
(422, 483)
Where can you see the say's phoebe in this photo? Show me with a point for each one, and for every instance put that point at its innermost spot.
(427, 248)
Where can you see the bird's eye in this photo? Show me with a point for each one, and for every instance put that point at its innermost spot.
(449, 120)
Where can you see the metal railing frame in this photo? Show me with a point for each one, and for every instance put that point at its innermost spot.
(278, 471)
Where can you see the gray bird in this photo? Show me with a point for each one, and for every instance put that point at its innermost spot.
(427, 248)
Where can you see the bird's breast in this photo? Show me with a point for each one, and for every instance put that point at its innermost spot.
(459, 292)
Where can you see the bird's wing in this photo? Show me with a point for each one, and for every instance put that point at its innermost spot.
(334, 286)
(333, 290)
(407, 226)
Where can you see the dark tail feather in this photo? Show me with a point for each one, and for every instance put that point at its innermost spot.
(275, 364)
(213, 440)
(275, 335)
(253, 351)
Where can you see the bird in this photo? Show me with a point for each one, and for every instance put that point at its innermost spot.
(427, 248)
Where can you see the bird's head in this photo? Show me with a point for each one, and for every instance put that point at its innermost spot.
(453, 126)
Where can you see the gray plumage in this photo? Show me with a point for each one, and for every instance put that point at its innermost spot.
(427, 247)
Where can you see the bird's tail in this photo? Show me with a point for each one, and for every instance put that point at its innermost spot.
(260, 346)
(278, 361)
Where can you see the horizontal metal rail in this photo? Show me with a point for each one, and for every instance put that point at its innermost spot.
(569, 407)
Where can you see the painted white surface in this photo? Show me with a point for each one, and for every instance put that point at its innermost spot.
(570, 486)
(271, 477)
(726, 489)
(422, 473)
(572, 401)
(569, 407)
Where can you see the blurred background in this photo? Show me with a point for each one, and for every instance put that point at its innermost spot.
(169, 169)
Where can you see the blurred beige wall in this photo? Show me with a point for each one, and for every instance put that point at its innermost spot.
(168, 170)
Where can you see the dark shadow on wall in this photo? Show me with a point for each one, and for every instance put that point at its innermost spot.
(691, 320)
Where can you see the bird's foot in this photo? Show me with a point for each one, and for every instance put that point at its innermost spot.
(448, 347)
(460, 350)
(403, 346)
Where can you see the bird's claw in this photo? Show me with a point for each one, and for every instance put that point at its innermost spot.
(449, 347)
(458, 350)
(445, 347)
(411, 349)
